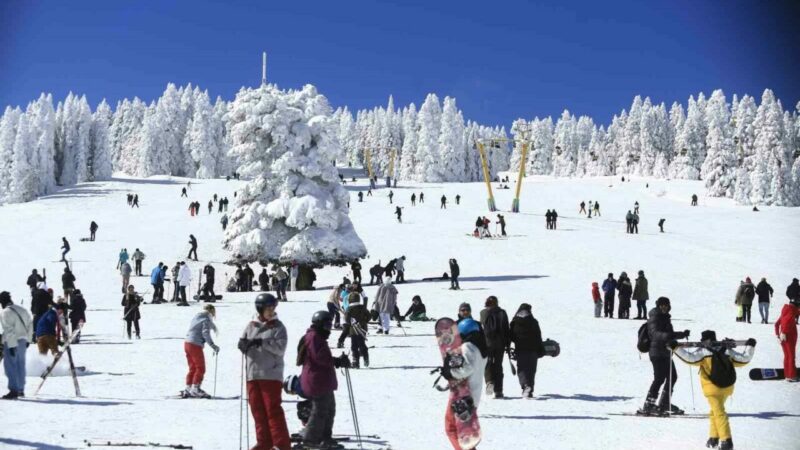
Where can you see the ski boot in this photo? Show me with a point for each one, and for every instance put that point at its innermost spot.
(672, 410)
(712, 443)
(527, 392)
(489, 389)
(727, 444)
(649, 408)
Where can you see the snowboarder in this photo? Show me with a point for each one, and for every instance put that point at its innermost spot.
(135, 201)
(458, 199)
(416, 312)
(629, 222)
(92, 230)
(422, 197)
(224, 221)
(376, 274)
(661, 224)
(661, 333)
(131, 301)
(583, 208)
(399, 212)
(125, 270)
(283, 281)
(248, 277)
(641, 296)
(183, 192)
(67, 282)
(208, 286)
(597, 209)
(318, 380)
(444, 203)
(694, 199)
(65, 246)
(528, 347)
(386, 300)
(356, 319)
(548, 216)
(625, 290)
(598, 302)
(609, 286)
(744, 298)
(401, 269)
(502, 221)
(764, 292)
(77, 312)
(413, 199)
(455, 272)
(360, 196)
(263, 343)
(138, 257)
(157, 281)
(184, 279)
(193, 248)
(17, 328)
(494, 321)
(786, 332)
(391, 196)
(717, 377)
(198, 335)
(355, 267)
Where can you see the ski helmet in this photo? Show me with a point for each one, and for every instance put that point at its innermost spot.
(265, 300)
(663, 301)
(291, 384)
(468, 326)
(322, 319)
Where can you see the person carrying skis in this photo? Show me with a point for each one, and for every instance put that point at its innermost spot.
(157, 280)
(263, 344)
(208, 286)
(744, 298)
(455, 272)
(471, 368)
(494, 321)
(786, 332)
(625, 291)
(526, 336)
(764, 292)
(661, 333)
(125, 270)
(641, 296)
(356, 318)
(444, 202)
(67, 282)
(17, 329)
(609, 286)
(283, 281)
(65, 247)
(131, 315)
(502, 221)
(598, 302)
(416, 312)
(198, 335)
(386, 300)
(193, 248)
(92, 230)
(77, 312)
(717, 365)
(318, 381)
(355, 267)
(184, 279)
(123, 257)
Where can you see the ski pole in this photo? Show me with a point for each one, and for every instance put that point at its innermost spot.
(241, 400)
(691, 381)
(216, 358)
(353, 406)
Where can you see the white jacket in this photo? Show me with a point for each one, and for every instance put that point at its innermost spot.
(399, 265)
(185, 275)
(15, 329)
(473, 366)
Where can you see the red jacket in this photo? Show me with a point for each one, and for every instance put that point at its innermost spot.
(595, 292)
(787, 322)
(318, 376)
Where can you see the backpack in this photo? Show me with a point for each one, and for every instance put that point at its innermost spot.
(492, 326)
(749, 292)
(722, 372)
(643, 341)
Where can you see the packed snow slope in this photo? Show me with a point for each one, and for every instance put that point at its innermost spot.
(698, 263)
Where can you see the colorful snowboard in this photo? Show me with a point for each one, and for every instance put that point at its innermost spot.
(768, 374)
(460, 401)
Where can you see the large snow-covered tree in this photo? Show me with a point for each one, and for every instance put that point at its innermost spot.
(719, 168)
(408, 153)
(691, 144)
(451, 143)
(8, 134)
(23, 186)
(771, 175)
(566, 146)
(154, 156)
(100, 143)
(201, 139)
(294, 209)
(429, 121)
(42, 123)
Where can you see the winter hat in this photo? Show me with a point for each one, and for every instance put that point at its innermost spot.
(747, 280)
(524, 307)
(416, 298)
(641, 273)
(5, 298)
(708, 335)
(663, 301)
(610, 275)
(491, 301)
(466, 306)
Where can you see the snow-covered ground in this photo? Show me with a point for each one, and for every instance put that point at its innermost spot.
(698, 263)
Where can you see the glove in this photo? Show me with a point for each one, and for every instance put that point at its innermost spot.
(13, 352)
(782, 338)
(751, 342)
(686, 334)
(672, 345)
(445, 369)
(215, 347)
(342, 361)
(512, 354)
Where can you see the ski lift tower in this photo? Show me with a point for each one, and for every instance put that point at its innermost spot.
(264, 69)
(524, 141)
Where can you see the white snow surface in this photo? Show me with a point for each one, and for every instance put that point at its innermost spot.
(698, 263)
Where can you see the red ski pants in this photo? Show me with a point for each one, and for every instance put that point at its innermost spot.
(450, 428)
(197, 363)
(789, 347)
(264, 397)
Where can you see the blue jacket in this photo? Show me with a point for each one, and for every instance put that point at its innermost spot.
(123, 257)
(609, 285)
(156, 275)
(46, 326)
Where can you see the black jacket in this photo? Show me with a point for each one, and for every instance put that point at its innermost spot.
(359, 313)
(764, 291)
(415, 309)
(625, 290)
(495, 325)
(526, 334)
(41, 302)
(77, 306)
(793, 290)
(659, 328)
(33, 279)
(455, 271)
(131, 303)
(68, 280)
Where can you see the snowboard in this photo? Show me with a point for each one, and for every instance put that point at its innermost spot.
(460, 402)
(551, 348)
(207, 298)
(768, 374)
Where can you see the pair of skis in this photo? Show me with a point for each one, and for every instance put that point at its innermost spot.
(57, 358)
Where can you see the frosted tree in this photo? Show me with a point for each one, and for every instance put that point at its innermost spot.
(719, 168)
(599, 164)
(74, 122)
(222, 139)
(655, 140)
(427, 156)
(294, 209)
(744, 137)
(8, 134)
(614, 136)
(540, 158)
(23, 186)
(583, 137)
(409, 150)
(171, 113)
(42, 122)
(472, 163)
(154, 159)
(691, 144)
(346, 134)
(126, 134)
(201, 139)
(630, 139)
(771, 172)
(100, 142)
(451, 143)
(516, 152)
(566, 149)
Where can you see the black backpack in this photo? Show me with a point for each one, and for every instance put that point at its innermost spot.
(643, 341)
(722, 374)
(748, 291)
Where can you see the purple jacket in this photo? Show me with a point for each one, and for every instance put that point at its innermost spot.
(318, 376)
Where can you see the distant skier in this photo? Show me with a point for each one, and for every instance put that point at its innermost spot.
(494, 321)
(249, 275)
(193, 247)
(125, 270)
(175, 283)
(184, 280)
(458, 199)
(220, 205)
(224, 221)
(360, 196)
(635, 223)
(641, 295)
(598, 302)
(629, 222)
(369, 192)
(694, 199)
(597, 209)
(157, 281)
(130, 199)
(183, 192)
(135, 201)
(131, 301)
(215, 198)
(92, 230)
(764, 292)
(444, 202)
(548, 216)
(208, 287)
(138, 257)
(198, 335)
(191, 209)
(422, 197)
(282, 282)
(582, 209)
(17, 329)
(65, 247)
(263, 343)
(376, 274)
(414, 199)
(609, 288)
(526, 336)
(625, 290)
(399, 213)
(123, 257)
(455, 272)
(210, 206)
(554, 220)
(386, 300)
(355, 267)
(67, 282)
(417, 311)
(661, 224)
(391, 196)
(502, 221)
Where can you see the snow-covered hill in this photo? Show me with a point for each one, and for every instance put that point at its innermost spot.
(698, 263)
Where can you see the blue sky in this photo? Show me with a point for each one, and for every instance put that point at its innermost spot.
(500, 59)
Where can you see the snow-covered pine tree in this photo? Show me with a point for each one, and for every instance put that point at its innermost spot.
(451, 143)
(719, 168)
(655, 140)
(516, 151)
(599, 164)
(201, 138)
(499, 157)
(23, 186)
(583, 137)
(42, 122)
(427, 155)
(770, 175)
(566, 149)
(8, 134)
(100, 143)
(630, 139)
(691, 145)
(409, 149)
(540, 158)
(154, 157)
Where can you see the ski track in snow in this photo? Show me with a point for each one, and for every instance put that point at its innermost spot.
(698, 263)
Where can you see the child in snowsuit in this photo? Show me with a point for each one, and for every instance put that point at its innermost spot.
(715, 360)
(598, 303)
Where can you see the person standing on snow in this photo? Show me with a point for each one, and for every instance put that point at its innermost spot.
(458, 199)
(786, 332)
(641, 296)
(629, 222)
(67, 282)
(175, 284)
(717, 380)
(391, 196)
(356, 318)
(502, 221)
(413, 199)
(46, 339)
(455, 272)
(528, 347)
(597, 209)
(135, 201)
(444, 202)
(65, 247)
(131, 301)
(609, 286)
(494, 321)
(17, 328)
(554, 220)
(193, 249)
(198, 335)
(92, 230)
(792, 291)
(422, 197)
(548, 216)
(744, 298)
(224, 221)
(661, 333)
(183, 192)
(764, 292)
(294, 272)
(625, 290)
(386, 299)
(598, 302)
(401, 270)
(184, 280)
(263, 344)
(355, 267)
(582, 210)
(398, 211)
(334, 305)
(283, 281)
(138, 257)
(318, 381)
(208, 286)
(210, 206)
(123, 257)
(125, 270)
(77, 312)
(157, 280)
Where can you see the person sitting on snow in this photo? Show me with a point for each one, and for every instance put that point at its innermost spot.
(416, 312)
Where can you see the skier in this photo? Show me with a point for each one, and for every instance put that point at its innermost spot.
(283, 280)
(17, 328)
(65, 246)
(376, 274)
(625, 290)
(472, 367)
(46, 331)
(661, 224)
(635, 223)
(198, 335)
(478, 227)
(786, 332)
(92, 230)
(554, 220)
(356, 319)
(220, 205)
(208, 286)
(458, 199)
(641, 296)
(210, 206)
(583, 208)
(360, 196)
(131, 301)
(263, 343)
(135, 201)
(598, 303)
(413, 199)
(193, 249)
(157, 281)
(416, 312)
(138, 257)
(67, 282)
(183, 192)
(399, 212)
(422, 197)
(391, 196)
(717, 377)
(248, 277)
(694, 199)
(401, 270)
(77, 312)
(494, 321)
(334, 305)
(661, 333)
(184, 279)
(123, 257)
(224, 221)
(764, 292)
(455, 272)
(386, 300)
(597, 209)
(548, 216)
(215, 198)
(355, 267)
(263, 280)
(125, 270)
(744, 298)
(502, 221)
(528, 347)
(130, 199)
(318, 381)
(191, 209)
(175, 283)
(609, 286)
(636, 207)
(629, 222)
(444, 202)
